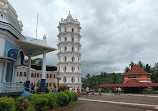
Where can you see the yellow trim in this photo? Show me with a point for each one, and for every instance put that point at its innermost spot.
(36, 45)
(8, 58)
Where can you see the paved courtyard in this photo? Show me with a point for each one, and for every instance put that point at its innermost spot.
(111, 102)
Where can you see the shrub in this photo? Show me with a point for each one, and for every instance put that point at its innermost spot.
(51, 100)
(22, 104)
(62, 99)
(69, 94)
(74, 96)
(146, 91)
(7, 104)
(40, 104)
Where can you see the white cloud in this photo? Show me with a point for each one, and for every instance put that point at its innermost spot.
(114, 32)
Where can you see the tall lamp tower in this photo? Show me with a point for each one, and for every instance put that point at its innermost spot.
(69, 52)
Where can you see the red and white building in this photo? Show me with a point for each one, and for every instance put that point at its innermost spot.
(135, 80)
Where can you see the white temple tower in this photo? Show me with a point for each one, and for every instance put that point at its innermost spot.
(69, 52)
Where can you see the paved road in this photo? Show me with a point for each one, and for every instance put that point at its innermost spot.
(84, 105)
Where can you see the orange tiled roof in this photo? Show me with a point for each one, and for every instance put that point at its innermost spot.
(136, 69)
(130, 83)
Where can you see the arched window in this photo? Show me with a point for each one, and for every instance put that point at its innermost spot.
(72, 39)
(73, 49)
(17, 73)
(24, 74)
(73, 69)
(72, 29)
(72, 79)
(64, 79)
(65, 39)
(47, 75)
(20, 74)
(64, 68)
(65, 58)
(65, 48)
(65, 29)
(73, 59)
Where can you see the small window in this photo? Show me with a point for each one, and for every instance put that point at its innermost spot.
(38, 75)
(47, 75)
(20, 74)
(64, 68)
(72, 29)
(65, 58)
(17, 73)
(72, 39)
(73, 59)
(31, 74)
(24, 74)
(65, 48)
(65, 29)
(73, 49)
(54, 75)
(64, 79)
(35, 74)
(72, 79)
(54, 84)
(49, 84)
(73, 69)
(78, 59)
(65, 39)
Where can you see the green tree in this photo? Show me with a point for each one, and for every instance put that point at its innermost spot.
(131, 64)
(140, 63)
(126, 69)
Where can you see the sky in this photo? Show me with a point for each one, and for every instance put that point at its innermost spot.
(114, 32)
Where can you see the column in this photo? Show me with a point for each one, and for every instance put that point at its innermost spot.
(28, 74)
(43, 80)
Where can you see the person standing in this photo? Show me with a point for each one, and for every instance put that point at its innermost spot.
(99, 90)
(93, 90)
(115, 90)
(87, 90)
(119, 90)
(78, 90)
(70, 89)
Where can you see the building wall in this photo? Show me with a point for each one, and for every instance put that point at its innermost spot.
(139, 77)
(35, 76)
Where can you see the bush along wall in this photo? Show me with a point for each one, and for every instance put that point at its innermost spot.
(38, 102)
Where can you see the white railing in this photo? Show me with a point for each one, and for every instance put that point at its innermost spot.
(7, 87)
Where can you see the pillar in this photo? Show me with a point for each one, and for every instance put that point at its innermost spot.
(28, 74)
(43, 80)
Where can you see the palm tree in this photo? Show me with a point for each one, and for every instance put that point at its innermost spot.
(126, 69)
(131, 64)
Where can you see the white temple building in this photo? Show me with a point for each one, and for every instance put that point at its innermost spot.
(14, 47)
(69, 52)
